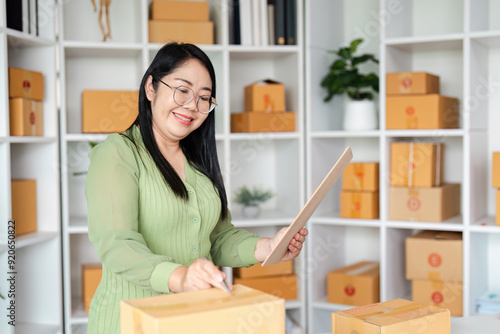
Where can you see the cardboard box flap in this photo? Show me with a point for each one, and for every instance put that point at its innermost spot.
(438, 235)
(266, 82)
(174, 305)
(363, 268)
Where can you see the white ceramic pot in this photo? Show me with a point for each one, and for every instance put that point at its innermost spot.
(251, 211)
(360, 115)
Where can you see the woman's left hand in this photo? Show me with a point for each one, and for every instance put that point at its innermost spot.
(266, 245)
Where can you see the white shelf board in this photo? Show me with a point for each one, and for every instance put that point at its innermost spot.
(323, 304)
(204, 47)
(486, 225)
(32, 139)
(34, 238)
(335, 219)
(427, 43)
(486, 38)
(484, 324)
(78, 225)
(78, 313)
(263, 49)
(75, 137)
(292, 304)
(426, 133)
(266, 135)
(99, 49)
(20, 39)
(266, 218)
(4, 139)
(345, 134)
(32, 328)
(452, 224)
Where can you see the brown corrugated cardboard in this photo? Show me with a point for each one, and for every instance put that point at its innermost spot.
(24, 83)
(357, 284)
(443, 294)
(434, 204)
(498, 208)
(181, 31)
(25, 117)
(361, 176)
(209, 311)
(24, 206)
(392, 317)
(359, 204)
(411, 83)
(257, 270)
(108, 111)
(430, 111)
(265, 96)
(435, 255)
(417, 164)
(179, 10)
(91, 276)
(496, 170)
(284, 286)
(263, 122)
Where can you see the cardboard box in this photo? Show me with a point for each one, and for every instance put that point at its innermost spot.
(361, 176)
(209, 311)
(430, 111)
(91, 277)
(498, 208)
(284, 286)
(179, 10)
(359, 204)
(496, 170)
(181, 31)
(24, 205)
(265, 96)
(257, 270)
(417, 164)
(439, 293)
(24, 83)
(392, 317)
(434, 255)
(25, 117)
(424, 204)
(263, 122)
(108, 111)
(357, 284)
(411, 83)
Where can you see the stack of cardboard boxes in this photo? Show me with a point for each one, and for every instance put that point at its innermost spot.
(434, 264)
(357, 284)
(360, 191)
(413, 102)
(265, 109)
(276, 279)
(91, 277)
(417, 190)
(26, 92)
(496, 183)
(180, 21)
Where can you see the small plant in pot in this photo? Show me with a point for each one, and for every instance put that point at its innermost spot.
(251, 199)
(345, 78)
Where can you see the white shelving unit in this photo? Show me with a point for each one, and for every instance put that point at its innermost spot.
(273, 160)
(460, 42)
(37, 267)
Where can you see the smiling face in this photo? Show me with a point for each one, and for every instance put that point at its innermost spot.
(172, 122)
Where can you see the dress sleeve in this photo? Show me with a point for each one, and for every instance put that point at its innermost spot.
(232, 247)
(112, 205)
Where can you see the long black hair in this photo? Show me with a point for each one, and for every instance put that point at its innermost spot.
(199, 147)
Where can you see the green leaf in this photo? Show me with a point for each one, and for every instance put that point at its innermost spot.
(344, 53)
(363, 58)
(355, 43)
(338, 64)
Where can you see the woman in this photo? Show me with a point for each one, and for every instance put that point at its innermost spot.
(155, 196)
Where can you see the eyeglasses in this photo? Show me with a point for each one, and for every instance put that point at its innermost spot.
(183, 95)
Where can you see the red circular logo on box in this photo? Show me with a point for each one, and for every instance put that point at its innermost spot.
(359, 175)
(32, 118)
(357, 206)
(410, 111)
(413, 203)
(407, 82)
(349, 290)
(26, 84)
(437, 297)
(434, 260)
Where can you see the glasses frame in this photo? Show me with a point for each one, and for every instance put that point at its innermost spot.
(213, 104)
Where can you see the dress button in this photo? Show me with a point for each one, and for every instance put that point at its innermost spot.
(190, 191)
(195, 220)
(195, 248)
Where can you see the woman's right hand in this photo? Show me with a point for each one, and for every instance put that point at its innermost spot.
(201, 274)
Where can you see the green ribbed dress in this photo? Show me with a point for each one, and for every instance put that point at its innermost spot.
(141, 231)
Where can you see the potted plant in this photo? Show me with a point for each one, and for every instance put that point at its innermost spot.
(251, 199)
(344, 77)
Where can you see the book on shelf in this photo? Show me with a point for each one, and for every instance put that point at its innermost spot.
(22, 15)
(279, 22)
(290, 22)
(256, 23)
(270, 22)
(234, 22)
(246, 30)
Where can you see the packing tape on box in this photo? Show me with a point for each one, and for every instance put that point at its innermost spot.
(437, 285)
(27, 77)
(437, 180)
(438, 165)
(32, 118)
(434, 275)
(359, 175)
(355, 205)
(410, 165)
